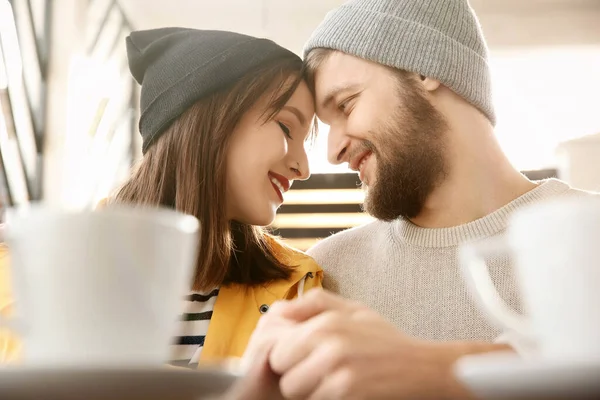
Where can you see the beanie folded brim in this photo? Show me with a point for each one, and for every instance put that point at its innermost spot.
(400, 43)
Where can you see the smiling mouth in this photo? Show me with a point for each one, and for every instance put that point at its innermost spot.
(361, 165)
(278, 188)
(280, 184)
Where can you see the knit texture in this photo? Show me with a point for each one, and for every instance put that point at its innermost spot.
(411, 274)
(178, 66)
(440, 39)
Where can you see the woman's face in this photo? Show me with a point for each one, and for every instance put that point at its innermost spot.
(265, 158)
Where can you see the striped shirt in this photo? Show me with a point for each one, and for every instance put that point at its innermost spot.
(193, 326)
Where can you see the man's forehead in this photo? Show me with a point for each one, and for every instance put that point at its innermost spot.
(338, 71)
(340, 66)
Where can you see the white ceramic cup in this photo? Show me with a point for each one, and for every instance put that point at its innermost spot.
(99, 287)
(555, 247)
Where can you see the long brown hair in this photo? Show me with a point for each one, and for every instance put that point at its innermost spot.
(185, 169)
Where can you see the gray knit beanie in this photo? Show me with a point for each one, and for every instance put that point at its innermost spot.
(440, 39)
(178, 66)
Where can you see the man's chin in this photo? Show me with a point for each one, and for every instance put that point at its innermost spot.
(369, 203)
(381, 205)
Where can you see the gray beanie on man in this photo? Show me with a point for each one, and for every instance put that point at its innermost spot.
(440, 39)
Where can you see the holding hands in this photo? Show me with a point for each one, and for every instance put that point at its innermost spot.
(321, 346)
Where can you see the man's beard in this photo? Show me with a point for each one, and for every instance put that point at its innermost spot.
(409, 150)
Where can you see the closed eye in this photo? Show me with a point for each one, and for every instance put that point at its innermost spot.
(344, 105)
(285, 129)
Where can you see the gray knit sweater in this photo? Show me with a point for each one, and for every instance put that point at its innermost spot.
(411, 274)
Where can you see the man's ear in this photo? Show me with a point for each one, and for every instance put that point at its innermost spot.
(429, 84)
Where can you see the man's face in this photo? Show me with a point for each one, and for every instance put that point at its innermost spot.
(383, 125)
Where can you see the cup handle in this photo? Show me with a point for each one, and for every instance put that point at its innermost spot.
(477, 276)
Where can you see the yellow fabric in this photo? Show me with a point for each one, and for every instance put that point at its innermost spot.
(9, 343)
(235, 314)
(237, 308)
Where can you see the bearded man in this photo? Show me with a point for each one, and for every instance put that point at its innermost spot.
(405, 87)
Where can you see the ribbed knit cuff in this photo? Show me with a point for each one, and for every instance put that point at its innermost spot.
(389, 40)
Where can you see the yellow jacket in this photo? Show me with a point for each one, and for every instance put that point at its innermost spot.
(238, 308)
(9, 343)
(235, 315)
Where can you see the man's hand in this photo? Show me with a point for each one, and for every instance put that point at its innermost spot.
(325, 347)
(342, 350)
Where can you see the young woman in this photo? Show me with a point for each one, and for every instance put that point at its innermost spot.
(224, 122)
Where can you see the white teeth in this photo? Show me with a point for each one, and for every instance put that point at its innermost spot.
(362, 163)
(278, 184)
(362, 176)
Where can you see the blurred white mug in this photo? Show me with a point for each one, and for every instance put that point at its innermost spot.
(99, 287)
(556, 250)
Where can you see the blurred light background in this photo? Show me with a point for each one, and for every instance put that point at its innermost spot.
(68, 126)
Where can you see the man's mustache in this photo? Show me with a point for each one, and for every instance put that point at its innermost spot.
(364, 145)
